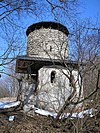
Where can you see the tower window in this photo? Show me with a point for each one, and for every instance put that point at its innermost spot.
(53, 77)
(50, 48)
(71, 80)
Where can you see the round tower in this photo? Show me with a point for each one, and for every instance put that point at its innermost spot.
(47, 40)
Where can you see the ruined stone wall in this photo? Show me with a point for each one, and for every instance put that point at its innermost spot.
(47, 43)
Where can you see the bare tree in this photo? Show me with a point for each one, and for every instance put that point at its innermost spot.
(34, 7)
(11, 22)
(84, 45)
(84, 50)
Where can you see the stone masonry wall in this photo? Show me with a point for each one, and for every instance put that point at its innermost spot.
(47, 43)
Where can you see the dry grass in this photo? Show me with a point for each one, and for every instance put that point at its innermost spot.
(8, 99)
(41, 124)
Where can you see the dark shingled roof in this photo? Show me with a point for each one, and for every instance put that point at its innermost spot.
(52, 25)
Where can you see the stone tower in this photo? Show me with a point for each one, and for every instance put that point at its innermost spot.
(47, 40)
(46, 63)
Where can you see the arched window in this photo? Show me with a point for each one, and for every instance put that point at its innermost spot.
(53, 77)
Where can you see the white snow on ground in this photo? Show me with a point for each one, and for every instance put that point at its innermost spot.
(4, 105)
(45, 113)
(89, 112)
(73, 115)
(81, 114)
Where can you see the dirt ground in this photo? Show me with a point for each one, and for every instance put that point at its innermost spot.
(6, 99)
(41, 124)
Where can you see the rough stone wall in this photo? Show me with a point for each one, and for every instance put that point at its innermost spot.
(47, 43)
(28, 97)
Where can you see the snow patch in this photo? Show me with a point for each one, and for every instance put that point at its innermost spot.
(82, 114)
(44, 112)
(11, 118)
(4, 105)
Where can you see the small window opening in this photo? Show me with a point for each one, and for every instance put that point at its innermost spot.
(53, 77)
(71, 80)
(50, 48)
